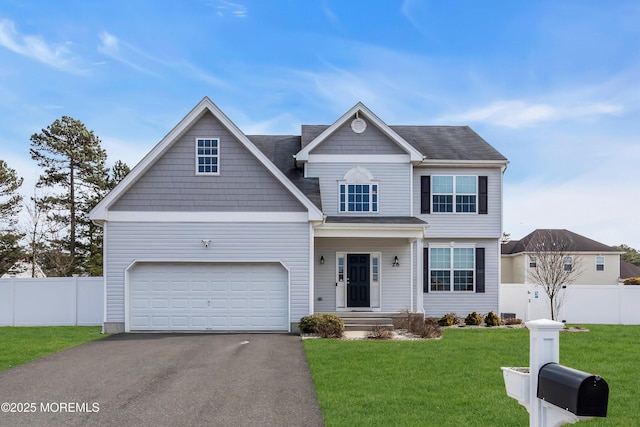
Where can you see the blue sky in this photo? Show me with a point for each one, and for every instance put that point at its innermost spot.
(553, 85)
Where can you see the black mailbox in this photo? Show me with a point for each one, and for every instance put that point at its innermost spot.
(578, 392)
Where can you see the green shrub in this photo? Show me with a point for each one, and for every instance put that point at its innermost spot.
(473, 319)
(326, 325)
(449, 319)
(330, 326)
(632, 281)
(492, 319)
(309, 324)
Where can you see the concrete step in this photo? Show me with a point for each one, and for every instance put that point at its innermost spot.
(367, 323)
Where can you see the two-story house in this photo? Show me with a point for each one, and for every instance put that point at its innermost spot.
(218, 230)
(597, 263)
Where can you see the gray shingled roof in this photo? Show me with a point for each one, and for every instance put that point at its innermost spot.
(280, 150)
(434, 142)
(628, 270)
(578, 243)
(395, 220)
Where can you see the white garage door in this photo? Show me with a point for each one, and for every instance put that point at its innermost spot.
(208, 297)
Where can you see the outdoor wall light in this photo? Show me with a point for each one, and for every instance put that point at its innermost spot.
(396, 263)
(206, 242)
(322, 259)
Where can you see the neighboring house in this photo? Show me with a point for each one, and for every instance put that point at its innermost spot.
(628, 270)
(24, 269)
(599, 263)
(218, 230)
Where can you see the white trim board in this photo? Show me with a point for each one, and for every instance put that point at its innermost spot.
(209, 217)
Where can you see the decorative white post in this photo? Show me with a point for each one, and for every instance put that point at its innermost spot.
(544, 347)
(564, 397)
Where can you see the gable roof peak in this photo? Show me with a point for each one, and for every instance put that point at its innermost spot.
(359, 107)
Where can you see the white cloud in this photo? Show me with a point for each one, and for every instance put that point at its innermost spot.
(518, 113)
(112, 47)
(35, 47)
(224, 7)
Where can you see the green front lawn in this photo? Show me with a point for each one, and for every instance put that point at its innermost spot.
(457, 381)
(21, 344)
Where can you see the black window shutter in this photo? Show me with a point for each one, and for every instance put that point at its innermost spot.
(483, 195)
(425, 270)
(480, 270)
(425, 194)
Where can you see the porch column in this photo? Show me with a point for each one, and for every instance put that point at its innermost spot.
(420, 276)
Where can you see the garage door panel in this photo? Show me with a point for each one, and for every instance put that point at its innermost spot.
(193, 296)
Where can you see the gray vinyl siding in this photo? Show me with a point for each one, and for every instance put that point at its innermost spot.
(394, 185)
(346, 141)
(171, 183)
(463, 303)
(395, 281)
(174, 242)
(463, 225)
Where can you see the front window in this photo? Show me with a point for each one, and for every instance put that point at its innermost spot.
(452, 269)
(454, 193)
(599, 263)
(207, 156)
(358, 198)
(568, 263)
(533, 262)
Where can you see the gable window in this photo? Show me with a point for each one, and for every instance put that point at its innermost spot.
(207, 156)
(567, 263)
(454, 193)
(452, 269)
(599, 263)
(358, 192)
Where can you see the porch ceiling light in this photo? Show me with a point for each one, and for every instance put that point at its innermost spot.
(396, 263)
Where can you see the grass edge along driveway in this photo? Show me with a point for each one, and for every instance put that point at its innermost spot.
(22, 344)
(457, 380)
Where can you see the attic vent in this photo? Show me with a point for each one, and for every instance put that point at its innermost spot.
(358, 125)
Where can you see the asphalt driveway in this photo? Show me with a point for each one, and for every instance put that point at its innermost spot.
(165, 380)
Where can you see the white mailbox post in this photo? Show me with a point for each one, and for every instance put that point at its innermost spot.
(522, 383)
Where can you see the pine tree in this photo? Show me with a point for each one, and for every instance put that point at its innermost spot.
(10, 206)
(74, 167)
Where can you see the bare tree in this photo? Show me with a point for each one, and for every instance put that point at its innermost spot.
(554, 265)
(35, 229)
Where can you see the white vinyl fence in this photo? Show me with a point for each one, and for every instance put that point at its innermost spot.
(598, 304)
(55, 301)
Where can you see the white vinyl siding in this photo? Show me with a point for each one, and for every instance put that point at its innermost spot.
(395, 282)
(286, 243)
(440, 303)
(393, 180)
(461, 226)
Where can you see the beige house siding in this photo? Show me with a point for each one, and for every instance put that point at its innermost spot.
(515, 269)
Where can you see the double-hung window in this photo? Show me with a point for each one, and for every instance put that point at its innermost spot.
(599, 263)
(207, 156)
(454, 193)
(567, 263)
(452, 269)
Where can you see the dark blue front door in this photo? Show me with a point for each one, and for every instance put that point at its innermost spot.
(358, 283)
